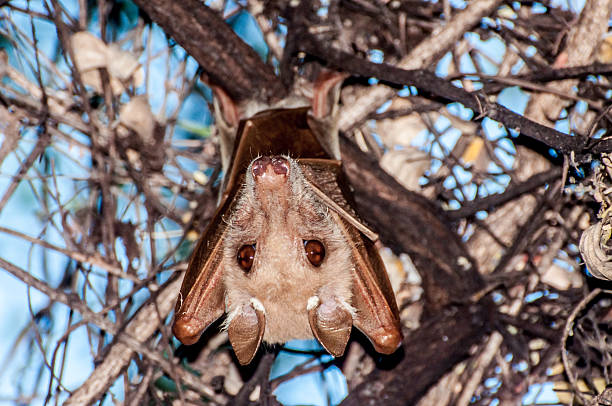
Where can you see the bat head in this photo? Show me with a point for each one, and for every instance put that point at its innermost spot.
(287, 266)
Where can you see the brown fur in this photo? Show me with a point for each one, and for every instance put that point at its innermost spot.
(278, 216)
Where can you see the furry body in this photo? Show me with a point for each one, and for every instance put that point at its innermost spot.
(278, 214)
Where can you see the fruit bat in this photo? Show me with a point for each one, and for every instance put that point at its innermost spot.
(285, 256)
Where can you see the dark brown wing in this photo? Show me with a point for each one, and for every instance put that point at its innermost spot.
(377, 313)
(201, 299)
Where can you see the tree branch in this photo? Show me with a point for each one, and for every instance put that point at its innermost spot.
(428, 82)
(438, 345)
(421, 57)
(547, 75)
(138, 330)
(224, 57)
(512, 192)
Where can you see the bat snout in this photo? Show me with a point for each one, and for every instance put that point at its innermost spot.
(270, 169)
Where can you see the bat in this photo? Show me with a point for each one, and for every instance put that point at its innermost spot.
(285, 256)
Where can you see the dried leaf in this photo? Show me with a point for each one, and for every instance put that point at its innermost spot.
(9, 127)
(127, 232)
(406, 166)
(400, 131)
(123, 65)
(90, 52)
(560, 278)
(92, 79)
(137, 116)
(604, 51)
(395, 268)
(595, 252)
(473, 150)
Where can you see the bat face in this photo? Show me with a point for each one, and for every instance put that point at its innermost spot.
(284, 252)
(285, 256)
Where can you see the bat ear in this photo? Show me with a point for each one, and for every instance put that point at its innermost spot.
(246, 329)
(326, 93)
(227, 118)
(330, 323)
(323, 119)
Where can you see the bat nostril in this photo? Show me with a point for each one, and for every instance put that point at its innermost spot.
(280, 165)
(266, 166)
(260, 165)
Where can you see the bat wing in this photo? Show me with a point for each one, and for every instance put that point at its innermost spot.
(201, 299)
(377, 315)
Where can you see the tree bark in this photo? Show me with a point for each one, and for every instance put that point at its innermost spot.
(222, 55)
(429, 352)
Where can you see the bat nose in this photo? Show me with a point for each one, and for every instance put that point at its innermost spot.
(267, 167)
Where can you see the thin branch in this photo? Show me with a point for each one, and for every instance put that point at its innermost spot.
(566, 332)
(512, 192)
(224, 57)
(430, 83)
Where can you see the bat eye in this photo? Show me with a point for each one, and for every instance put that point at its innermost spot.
(315, 251)
(245, 256)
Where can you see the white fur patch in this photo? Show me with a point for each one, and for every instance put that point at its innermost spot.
(257, 305)
(229, 318)
(313, 301)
